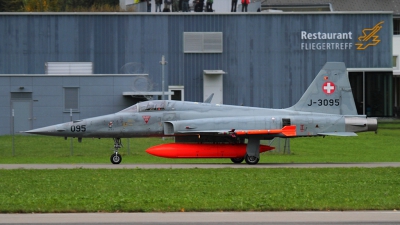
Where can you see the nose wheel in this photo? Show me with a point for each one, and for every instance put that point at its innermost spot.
(116, 158)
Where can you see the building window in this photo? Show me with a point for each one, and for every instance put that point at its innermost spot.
(202, 42)
(396, 26)
(395, 62)
(372, 92)
(81, 68)
(178, 93)
(71, 99)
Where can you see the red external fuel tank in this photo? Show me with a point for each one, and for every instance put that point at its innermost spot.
(193, 150)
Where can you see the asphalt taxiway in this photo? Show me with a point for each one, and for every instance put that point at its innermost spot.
(231, 218)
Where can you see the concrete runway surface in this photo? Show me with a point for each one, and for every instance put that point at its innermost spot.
(347, 217)
(199, 165)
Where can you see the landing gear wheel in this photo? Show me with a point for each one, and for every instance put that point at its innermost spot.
(116, 158)
(237, 160)
(251, 160)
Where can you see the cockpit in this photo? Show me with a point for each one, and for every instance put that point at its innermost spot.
(156, 105)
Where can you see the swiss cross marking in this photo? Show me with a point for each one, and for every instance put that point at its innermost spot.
(146, 119)
(328, 88)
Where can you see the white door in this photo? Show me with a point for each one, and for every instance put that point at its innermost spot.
(213, 84)
(178, 91)
(22, 115)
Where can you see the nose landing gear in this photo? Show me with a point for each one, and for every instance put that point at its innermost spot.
(116, 158)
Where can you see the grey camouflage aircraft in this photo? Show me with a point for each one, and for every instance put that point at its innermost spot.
(204, 130)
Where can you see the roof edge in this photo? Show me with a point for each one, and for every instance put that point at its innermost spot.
(179, 13)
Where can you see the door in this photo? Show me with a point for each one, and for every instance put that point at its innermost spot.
(178, 93)
(22, 115)
(213, 84)
(372, 92)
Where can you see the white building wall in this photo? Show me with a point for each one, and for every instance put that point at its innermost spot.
(396, 52)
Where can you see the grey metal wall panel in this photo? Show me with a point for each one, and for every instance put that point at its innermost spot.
(21, 81)
(5, 114)
(96, 81)
(70, 81)
(46, 81)
(98, 91)
(4, 82)
(47, 91)
(48, 101)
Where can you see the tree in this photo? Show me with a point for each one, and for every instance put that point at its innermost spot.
(58, 5)
(11, 5)
(41, 5)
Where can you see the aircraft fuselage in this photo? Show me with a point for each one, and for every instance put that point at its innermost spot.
(183, 118)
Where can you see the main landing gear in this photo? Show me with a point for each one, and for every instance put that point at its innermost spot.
(237, 160)
(116, 158)
(251, 160)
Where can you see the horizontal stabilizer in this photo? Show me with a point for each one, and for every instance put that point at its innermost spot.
(342, 134)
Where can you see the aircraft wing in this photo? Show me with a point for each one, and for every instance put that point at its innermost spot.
(341, 134)
(287, 131)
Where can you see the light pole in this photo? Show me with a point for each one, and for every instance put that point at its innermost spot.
(71, 147)
(13, 133)
(163, 62)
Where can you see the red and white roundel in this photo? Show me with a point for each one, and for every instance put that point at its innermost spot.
(328, 87)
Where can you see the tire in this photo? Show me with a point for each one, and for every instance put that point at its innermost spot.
(116, 158)
(237, 160)
(251, 160)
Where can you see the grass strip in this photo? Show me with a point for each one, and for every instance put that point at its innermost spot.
(172, 190)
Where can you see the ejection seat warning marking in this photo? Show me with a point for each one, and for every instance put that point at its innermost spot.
(146, 119)
(328, 87)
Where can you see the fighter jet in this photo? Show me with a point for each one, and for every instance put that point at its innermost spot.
(204, 130)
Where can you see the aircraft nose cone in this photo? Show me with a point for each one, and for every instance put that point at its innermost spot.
(43, 130)
(50, 130)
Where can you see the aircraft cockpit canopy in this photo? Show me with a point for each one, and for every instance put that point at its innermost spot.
(156, 105)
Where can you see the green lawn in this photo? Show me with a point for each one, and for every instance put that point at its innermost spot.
(171, 190)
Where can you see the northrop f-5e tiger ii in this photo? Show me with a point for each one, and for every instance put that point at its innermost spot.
(204, 130)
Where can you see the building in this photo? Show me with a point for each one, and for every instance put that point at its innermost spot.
(352, 6)
(89, 64)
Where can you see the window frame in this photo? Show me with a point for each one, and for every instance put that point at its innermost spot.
(65, 98)
(203, 42)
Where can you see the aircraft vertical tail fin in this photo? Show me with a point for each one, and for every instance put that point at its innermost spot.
(330, 92)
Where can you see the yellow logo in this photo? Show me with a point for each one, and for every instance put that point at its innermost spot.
(368, 34)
